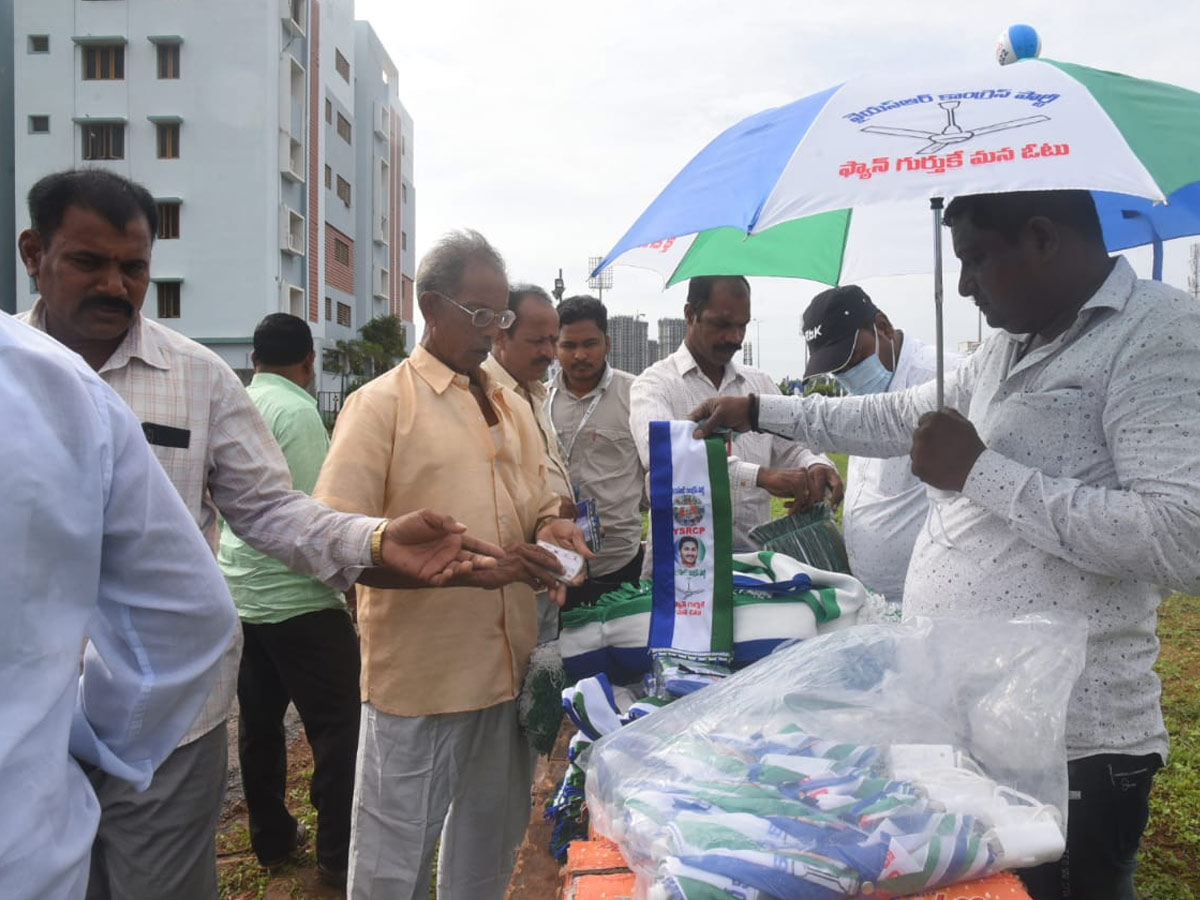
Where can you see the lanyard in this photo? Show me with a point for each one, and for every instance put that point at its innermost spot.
(605, 381)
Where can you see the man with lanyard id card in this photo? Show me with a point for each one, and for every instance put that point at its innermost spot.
(589, 408)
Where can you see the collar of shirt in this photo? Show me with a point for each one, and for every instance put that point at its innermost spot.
(535, 391)
(279, 383)
(440, 376)
(685, 363)
(139, 342)
(1113, 293)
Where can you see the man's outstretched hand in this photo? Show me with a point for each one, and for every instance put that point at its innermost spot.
(432, 548)
(721, 412)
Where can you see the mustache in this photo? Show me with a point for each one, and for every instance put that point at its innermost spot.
(543, 361)
(103, 301)
(727, 348)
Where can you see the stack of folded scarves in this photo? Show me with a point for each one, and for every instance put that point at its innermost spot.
(775, 599)
(793, 817)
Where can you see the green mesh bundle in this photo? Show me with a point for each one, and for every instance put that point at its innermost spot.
(539, 706)
(810, 536)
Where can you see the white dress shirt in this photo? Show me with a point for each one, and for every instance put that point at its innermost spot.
(1086, 500)
(885, 502)
(97, 544)
(232, 467)
(673, 387)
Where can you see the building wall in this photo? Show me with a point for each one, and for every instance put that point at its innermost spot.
(630, 349)
(671, 333)
(254, 144)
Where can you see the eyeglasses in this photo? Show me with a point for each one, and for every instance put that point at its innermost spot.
(482, 318)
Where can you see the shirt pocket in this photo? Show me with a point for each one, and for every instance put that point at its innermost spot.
(610, 449)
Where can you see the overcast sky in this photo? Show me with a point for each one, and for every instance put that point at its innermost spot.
(550, 127)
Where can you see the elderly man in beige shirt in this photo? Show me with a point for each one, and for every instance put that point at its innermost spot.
(441, 670)
(521, 356)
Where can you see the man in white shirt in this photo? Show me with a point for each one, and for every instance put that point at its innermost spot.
(717, 312)
(1069, 437)
(88, 248)
(97, 545)
(885, 502)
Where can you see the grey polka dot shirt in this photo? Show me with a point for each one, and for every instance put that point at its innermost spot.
(1087, 499)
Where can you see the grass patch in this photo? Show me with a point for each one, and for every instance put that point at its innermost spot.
(1170, 857)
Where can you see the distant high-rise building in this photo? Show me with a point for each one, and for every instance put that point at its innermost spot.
(671, 333)
(652, 353)
(629, 343)
(747, 354)
(271, 135)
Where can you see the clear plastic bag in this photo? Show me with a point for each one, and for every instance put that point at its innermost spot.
(883, 759)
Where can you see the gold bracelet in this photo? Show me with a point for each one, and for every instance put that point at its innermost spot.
(377, 543)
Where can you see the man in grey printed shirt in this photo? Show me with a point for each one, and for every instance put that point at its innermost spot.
(1068, 437)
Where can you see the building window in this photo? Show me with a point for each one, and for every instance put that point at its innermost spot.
(343, 190)
(342, 65)
(328, 177)
(104, 62)
(168, 61)
(39, 124)
(168, 299)
(404, 240)
(168, 220)
(341, 251)
(168, 140)
(328, 309)
(343, 314)
(328, 110)
(343, 128)
(39, 43)
(105, 140)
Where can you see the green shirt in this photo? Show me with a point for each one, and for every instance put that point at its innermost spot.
(265, 590)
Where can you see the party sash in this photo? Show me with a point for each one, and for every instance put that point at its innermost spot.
(692, 527)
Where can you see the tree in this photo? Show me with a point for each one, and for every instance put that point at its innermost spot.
(383, 343)
(357, 361)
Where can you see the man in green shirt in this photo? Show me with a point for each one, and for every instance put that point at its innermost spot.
(300, 644)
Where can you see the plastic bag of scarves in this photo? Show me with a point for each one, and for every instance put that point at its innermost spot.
(881, 760)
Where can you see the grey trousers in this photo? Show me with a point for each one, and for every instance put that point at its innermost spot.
(463, 776)
(162, 842)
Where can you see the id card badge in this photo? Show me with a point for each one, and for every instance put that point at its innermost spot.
(588, 520)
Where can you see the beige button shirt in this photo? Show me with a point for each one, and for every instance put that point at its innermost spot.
(412, 438)
(535, 395)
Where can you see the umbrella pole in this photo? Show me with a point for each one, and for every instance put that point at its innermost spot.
(935, 204)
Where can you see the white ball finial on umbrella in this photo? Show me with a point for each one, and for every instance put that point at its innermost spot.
(1017, 42)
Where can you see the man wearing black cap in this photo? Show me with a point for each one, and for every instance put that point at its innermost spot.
(851, 339)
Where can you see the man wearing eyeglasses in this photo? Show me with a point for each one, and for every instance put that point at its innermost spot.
(520, 357)
(438, 741)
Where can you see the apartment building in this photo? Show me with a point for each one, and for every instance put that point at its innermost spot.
(270, 133)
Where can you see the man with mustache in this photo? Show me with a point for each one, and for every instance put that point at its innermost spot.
(1067, 439)
(520, 358)
(88, 249)
(589, 406)
(760, 466)
(439, 750)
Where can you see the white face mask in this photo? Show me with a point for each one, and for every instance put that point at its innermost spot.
(870, 376)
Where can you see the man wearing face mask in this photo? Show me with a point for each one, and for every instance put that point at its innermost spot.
(885, 503)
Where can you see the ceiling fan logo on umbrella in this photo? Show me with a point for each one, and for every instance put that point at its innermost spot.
(952, 133)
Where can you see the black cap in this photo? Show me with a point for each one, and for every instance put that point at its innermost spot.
(831, 325)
